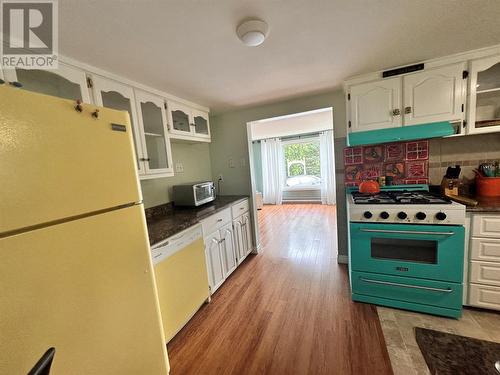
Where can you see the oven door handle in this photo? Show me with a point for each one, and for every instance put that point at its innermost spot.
(406, 232)
(449, 290)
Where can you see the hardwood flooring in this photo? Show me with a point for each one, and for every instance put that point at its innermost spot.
(286, 310)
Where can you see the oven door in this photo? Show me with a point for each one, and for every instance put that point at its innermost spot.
(204, 193)
(423, 251)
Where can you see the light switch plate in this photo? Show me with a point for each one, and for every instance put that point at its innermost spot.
(179, 168)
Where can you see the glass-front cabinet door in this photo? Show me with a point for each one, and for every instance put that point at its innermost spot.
(111, 94)
(64, 82)
(180, 119)
(484, 103)
(201, 125)
(153, 128)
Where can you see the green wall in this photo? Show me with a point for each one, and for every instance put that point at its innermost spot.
(196, 161)
(229, 147)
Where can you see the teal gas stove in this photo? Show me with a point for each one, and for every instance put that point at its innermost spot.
(406, 250)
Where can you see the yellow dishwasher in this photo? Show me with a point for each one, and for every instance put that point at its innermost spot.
(181, 278)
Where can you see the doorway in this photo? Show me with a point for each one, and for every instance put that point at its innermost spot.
(292, 162)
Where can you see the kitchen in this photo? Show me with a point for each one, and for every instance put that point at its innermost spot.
(185, 274)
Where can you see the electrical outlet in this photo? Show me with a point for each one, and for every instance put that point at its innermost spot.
(231, 163)
(220, 178)
(243, 162)
(179, 168)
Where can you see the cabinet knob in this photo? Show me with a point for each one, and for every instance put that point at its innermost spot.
(95, 114)
(396, 112)
(407, 110)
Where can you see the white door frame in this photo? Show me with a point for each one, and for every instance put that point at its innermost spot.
(253, 190)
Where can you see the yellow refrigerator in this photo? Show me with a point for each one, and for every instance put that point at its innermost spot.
(75, 264)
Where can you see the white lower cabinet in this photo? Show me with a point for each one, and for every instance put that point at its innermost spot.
(228, 249)
(484, 262)
(228, 240)
(214, 257)
(243, 235)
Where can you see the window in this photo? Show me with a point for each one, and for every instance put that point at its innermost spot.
(302, 164)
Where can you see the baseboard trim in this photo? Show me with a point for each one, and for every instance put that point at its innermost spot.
(342, 259)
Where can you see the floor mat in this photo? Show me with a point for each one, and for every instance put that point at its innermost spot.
(446, 353)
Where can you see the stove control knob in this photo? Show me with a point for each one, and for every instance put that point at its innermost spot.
(384, 215)
(440, 216)
(367, 214)
(402, 215)
(420, 215)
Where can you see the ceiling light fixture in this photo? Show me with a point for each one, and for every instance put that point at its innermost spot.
(252, 32)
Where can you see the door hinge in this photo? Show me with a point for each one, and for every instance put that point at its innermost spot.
(348, 96)
(465, 74)
(349, 123)
(90, 84)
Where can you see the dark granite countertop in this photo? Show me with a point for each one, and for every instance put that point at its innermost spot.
(486, 204)
(166, 220)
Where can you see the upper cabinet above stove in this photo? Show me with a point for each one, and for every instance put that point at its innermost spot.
(428, 96)
(450, 96)
(435, 95)
(375, 105)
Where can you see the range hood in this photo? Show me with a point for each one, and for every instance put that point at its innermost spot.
(404, 133)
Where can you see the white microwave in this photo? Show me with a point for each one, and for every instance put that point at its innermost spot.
(194, 194)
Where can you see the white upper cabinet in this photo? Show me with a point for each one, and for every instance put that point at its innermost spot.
(434, 95)
(64, 82)
(112, 94)
(375, 105)
(187, 123)
(201, 123)
(484, 99)
(154, 135)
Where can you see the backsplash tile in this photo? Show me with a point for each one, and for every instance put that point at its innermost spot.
(406, 162)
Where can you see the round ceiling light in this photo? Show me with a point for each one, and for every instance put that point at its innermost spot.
(252, 32)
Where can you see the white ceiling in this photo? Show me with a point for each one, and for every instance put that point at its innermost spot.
(189, 47)
(295, 124)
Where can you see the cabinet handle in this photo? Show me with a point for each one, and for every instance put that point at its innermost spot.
(219, 220)
(144, 159)
(192, 124)
(396, 112)
(407, 110)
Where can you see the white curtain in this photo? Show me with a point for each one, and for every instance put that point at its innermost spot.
(327, 164)
(272, 171)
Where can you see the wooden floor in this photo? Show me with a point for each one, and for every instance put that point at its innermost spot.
(286, 310)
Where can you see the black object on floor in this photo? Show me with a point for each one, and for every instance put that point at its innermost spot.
(42, 367)
(446, 353)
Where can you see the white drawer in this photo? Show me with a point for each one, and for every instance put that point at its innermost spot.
(484, 296)
(485, 273)
(240, 208)
(214, 222)
(486, 226)
(485, 249)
